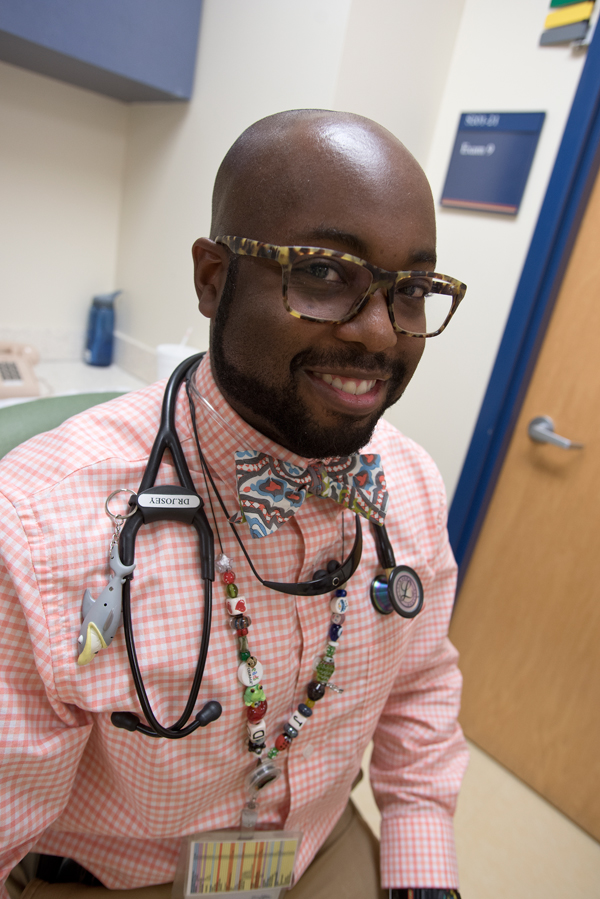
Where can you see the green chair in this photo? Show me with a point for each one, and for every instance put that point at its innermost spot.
(23, 420)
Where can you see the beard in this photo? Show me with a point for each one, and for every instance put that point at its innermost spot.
(285, 417)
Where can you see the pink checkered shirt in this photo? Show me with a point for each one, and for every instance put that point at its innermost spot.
(119, 803)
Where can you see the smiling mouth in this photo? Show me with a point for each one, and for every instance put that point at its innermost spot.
(347, 385)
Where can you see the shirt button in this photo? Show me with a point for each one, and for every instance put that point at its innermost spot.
(307, 751)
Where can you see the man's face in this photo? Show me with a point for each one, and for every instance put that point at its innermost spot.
(319, 389)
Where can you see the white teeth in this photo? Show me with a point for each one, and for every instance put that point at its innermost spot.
(357, 388)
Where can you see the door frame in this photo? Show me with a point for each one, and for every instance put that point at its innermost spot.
(572, 179)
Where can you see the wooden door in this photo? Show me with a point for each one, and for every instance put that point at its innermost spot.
(527, 620)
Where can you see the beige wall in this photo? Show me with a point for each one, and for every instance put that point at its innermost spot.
(62, 153)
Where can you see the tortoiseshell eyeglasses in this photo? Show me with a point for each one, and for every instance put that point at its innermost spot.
(329, 287)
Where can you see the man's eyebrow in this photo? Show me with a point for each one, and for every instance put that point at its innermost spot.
(351, 241)
(427, 256)
(359, 248)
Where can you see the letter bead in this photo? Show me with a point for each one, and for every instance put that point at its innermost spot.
(256, 731)
(297, 721)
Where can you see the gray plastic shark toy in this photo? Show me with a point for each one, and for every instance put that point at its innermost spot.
(102, 617)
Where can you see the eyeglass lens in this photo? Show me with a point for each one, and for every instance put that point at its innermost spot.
(328, 288)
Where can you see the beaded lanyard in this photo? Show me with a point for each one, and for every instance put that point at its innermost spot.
(250, 670)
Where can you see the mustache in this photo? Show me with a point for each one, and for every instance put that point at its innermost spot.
(347, 358)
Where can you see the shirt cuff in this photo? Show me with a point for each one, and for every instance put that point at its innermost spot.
(418, 850)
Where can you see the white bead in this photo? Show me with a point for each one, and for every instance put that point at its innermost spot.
(250, 676)
(256, 731)
(297, 720)
(222, 563)
(236, 605)
(339, 605)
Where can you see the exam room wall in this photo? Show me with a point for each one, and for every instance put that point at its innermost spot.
(62, 154)
(255, 59)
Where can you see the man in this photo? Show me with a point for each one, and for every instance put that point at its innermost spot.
(307, 350)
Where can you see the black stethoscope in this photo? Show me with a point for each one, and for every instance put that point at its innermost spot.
(397, 590)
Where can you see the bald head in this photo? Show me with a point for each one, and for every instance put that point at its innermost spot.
(280, 165)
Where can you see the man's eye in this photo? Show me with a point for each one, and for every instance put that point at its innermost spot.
(413, 290)
(324, 271)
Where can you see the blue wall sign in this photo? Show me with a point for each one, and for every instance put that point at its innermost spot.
(491, 160)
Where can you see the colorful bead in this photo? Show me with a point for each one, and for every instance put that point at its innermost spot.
(236, 605)
(244, 655)
(324, 670)
(310, 703)
(272, 753)
(337, 619)
(240, 622)
(257, 711)
(228, 577)
(253, 695)
(282, 742)
(305, 709)
(258, 748)
(232, 590)
(243, 632)
(334, 631)
(341, 592)
(289, 730)
(338, 605)
(243, 643)
(250, 674)
(330, 651)
(315, 690)
(222, 563)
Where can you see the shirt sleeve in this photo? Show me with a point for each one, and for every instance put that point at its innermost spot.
(41, 740)
(420, 754)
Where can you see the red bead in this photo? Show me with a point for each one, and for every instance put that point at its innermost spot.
(282, 742)
(242, 632)
(257, 711)
(228, 577)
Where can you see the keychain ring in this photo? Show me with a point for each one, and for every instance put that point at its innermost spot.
(116, 518)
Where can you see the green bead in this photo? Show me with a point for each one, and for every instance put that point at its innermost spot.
(330, 652)
(324, 670)
(272, 753)
(244, 655)
(243, 644)
(232, 590)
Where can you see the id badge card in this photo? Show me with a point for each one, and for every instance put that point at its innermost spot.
(223, 864)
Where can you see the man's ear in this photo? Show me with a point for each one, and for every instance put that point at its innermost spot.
(210, 272)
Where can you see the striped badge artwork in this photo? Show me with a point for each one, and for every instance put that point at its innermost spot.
(271, 491)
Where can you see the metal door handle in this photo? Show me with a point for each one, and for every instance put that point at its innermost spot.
(541, 429)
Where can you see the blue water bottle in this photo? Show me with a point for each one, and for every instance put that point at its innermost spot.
(100, 330)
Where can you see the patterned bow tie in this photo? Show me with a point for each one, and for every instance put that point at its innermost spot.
(271, 491)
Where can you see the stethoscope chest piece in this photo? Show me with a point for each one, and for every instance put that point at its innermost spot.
(400, 590)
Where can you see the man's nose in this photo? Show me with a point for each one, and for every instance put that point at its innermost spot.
(372, 326)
